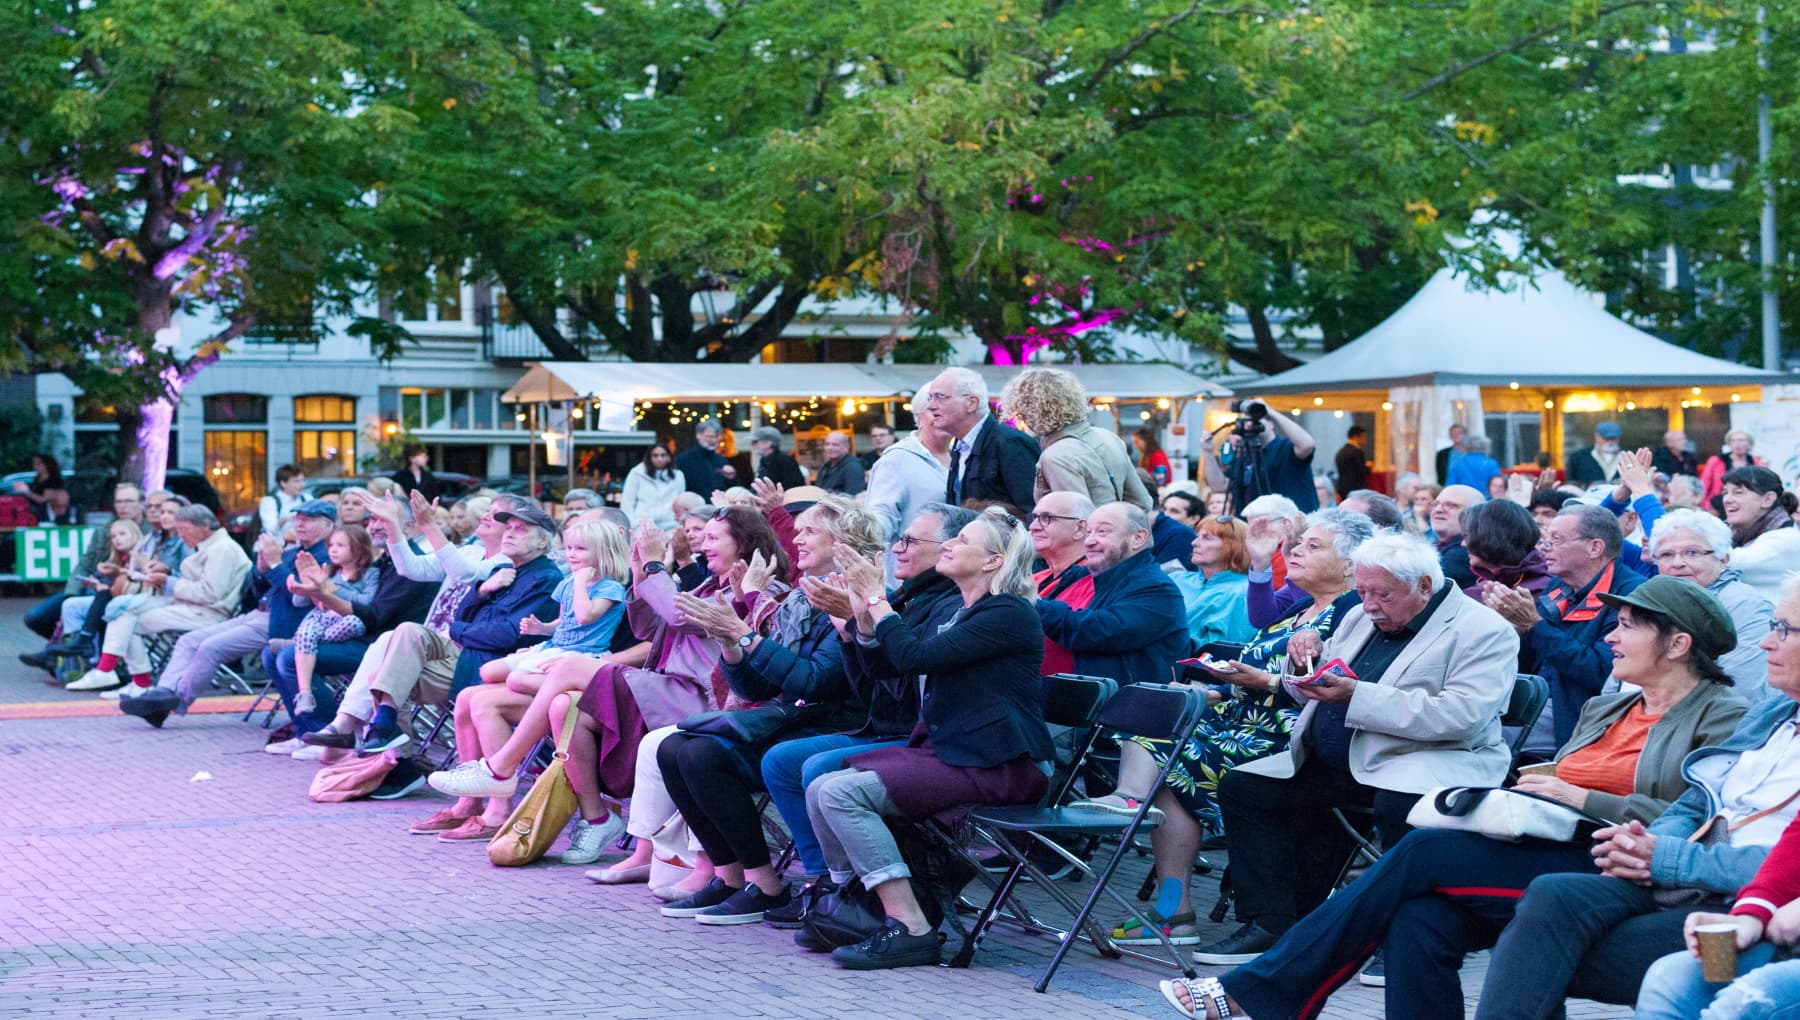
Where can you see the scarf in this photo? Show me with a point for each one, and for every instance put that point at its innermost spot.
(1776, 519)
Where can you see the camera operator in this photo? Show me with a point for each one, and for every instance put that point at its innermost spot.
(1269, 453)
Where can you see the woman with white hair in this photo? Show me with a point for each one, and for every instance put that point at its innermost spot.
(1076, 457)
(1697, 546)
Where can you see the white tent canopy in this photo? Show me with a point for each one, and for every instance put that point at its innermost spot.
(549, 381)
(1542, 332)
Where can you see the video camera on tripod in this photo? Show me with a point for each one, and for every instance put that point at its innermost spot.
(1253, 419)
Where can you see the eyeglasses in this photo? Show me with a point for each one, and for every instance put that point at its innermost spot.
(1552, 541)
(1687, 555)
(1781, 629)
(1045, 519)
(906, 542)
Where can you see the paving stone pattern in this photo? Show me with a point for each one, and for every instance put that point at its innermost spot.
(127, 889)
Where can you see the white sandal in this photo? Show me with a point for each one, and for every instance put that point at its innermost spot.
(1201, 991)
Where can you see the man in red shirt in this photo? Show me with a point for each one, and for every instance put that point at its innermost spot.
(1059, 534)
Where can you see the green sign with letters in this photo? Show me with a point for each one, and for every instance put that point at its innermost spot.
(49, 554)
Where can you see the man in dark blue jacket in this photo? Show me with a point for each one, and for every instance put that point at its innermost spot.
(1562, 634)
(1133, 630)
(200, 653)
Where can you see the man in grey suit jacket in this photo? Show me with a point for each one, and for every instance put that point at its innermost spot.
(1433, 672)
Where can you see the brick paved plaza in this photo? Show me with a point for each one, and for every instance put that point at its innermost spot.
(129, 890)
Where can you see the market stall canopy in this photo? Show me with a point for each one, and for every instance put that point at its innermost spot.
(634, 380)
(1545, 333)
(551, 381)
(1116, 381)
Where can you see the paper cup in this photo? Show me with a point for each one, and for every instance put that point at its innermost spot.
(1718, 952)
(1542, 769)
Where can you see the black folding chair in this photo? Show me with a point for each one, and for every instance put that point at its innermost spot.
(1070, 701)
(1155, 711)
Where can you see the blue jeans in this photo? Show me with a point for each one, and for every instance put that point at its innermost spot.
(789, 767)
(1585, 936)
(1675, 990)
(335, 658)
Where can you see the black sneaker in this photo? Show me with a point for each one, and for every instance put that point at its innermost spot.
(1242, 946)
(746, 906)
(406, 777)
(805, 939)
(793, 915)
(153, 706)
(715, 893)
(38, 660)
(383, 738)
(329, 738)
(1374, 973)
(892, 946)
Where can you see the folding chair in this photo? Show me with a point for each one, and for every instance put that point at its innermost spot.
(1154, 711)
(435, 719)
(1068, 700)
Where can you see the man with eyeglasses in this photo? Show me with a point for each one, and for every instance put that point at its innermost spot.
(1058, 533)
(128, 505)
(989, 460)
(1562, 636)
(1446, 524)
(1135, 626)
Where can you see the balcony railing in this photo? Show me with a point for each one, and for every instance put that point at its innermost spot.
(509, 341)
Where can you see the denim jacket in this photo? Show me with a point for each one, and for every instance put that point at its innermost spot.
(1722, 868)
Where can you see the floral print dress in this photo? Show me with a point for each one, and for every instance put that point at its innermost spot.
(1247, 724)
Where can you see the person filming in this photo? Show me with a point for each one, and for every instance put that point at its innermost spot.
(1269, 453)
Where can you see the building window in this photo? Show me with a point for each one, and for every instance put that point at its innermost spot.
(417, 408)
(237, 464)
(325, 435)
(235, 409)
(436, 297)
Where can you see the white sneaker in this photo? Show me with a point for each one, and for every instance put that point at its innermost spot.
(591, 839)
(95, 680)
(123, 691)
(472, 779)
(307, 752)
(287, 747)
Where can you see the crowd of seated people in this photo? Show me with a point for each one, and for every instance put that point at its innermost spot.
(868, 667)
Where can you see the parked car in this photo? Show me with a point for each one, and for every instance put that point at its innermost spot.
(92, 490)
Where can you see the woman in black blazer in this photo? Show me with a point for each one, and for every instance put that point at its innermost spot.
(980, 736)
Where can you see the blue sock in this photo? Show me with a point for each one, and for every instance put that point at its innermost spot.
(385, 717)
(1168, 896)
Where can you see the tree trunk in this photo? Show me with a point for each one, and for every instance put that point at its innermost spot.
(1266, 358)
(147, 457)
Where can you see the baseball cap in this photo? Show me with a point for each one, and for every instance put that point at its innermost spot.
(318, 508)
(1691, 608)
(531, 514)
(1608, 430)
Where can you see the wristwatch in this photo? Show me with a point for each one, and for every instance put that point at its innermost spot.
(875, 600)
(746, 641)
(655, 567)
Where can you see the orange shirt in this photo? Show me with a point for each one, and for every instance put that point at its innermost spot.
(1610, 763)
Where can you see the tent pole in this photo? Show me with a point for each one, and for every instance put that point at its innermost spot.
(531, 461)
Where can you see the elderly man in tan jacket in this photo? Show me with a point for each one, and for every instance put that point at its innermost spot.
(1431, 675)
(207, 591)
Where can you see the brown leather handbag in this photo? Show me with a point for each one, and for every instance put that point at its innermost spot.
(543, 812)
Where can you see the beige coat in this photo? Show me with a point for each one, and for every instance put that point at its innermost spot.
(212, 576)
(1091, 461)
(1434, 717)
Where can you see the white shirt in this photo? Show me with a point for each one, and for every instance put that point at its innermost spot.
(1760, 779)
